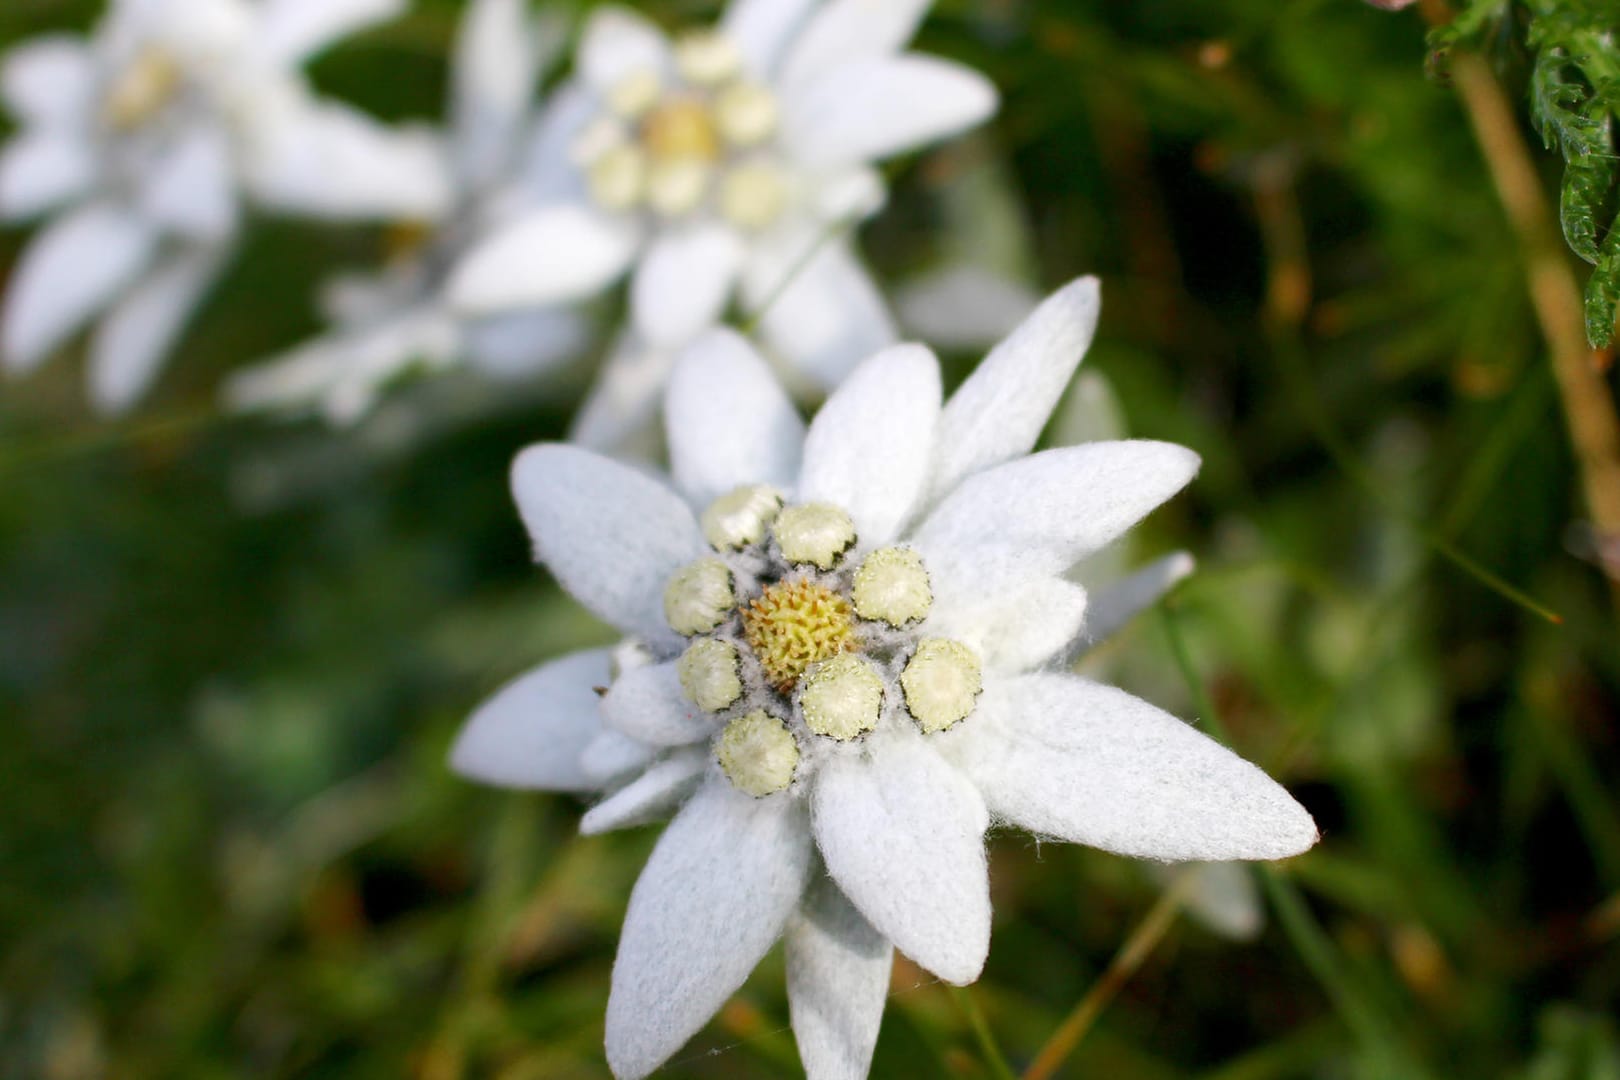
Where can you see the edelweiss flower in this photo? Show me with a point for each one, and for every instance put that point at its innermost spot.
(728, 158)
(153, 130)
(841, 642)
(390, 322)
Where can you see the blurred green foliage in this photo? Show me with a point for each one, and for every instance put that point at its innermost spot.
(232, 654)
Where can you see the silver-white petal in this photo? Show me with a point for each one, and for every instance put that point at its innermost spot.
(649, 705)
(1013, 619)
(610, 534)
(844, 30)
(534, 731)
(73, 267)
(1066, 757)
(837, 981)
(619, 413)
(1056, 506)
(873, 109)
(617, 42)
(681, 285)
(49, 82)
(493, 72)
(553, 255)
(714, 896)
(42, 169)
(902, 833)
(1117, 603)
(762, 29)
(290, 31)
(132, 342)
(869, 447)
(649, 796)
(817, 307)
(191, 189)
(999, 411)
(729, 421)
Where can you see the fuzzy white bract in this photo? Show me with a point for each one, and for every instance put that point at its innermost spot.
(845, 660)
(728, 160)
(147, 137)
(389, 323)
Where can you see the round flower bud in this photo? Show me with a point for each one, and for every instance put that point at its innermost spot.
(758, 754)
(941, 683)
(753, 195)
(740, 517)
(142, 89)
(891, 586)
(816, 533)
(708, 672)
(598, 137)
(842, 697)
(746, 114)
(707, 58)
(676, 188)
(635, 93)
(618, 178)
(698, 597)
(680, 129)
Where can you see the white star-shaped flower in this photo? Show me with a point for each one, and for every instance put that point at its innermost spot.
(388, 323)
(845, 661)
(147, 137)
(726, 162)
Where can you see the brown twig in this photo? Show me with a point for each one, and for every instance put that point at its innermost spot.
(1554, 292)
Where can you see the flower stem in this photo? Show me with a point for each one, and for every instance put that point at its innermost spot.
(1147, 935)
(993, 1056)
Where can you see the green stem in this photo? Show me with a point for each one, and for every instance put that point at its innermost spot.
(982, 1034)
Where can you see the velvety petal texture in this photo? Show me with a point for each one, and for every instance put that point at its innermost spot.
(1065, 757)
(714, 896)
(649, 705)
(131, 344)
(649, 796)
(902, 833)
(838, 979)
(554, 255)
(533, 732)
(611, 535)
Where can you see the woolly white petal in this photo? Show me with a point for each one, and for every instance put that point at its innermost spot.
(729, 421)
(683, 282)
(713, 897)
(40, 170)
(191, 189)
(902, 833)
(49, 81)
(821, 311)
(874, 109)
(617, 42)
(846, 30)
(648, 704)
(131, 344)
(611, 757)
(549, 174)
(761, 29)
(73, 266)
(869, 445)
(649, 796)
(998, 413)
(1057, 505)
(493, 71)
(550, 256)
(837, 982)
(1014, 620)
(1115, 604)
(525, 342)
(1222, 896)
(1062, 756)
(963, 307)
(533, 732)
(295, 29)
(331, 161)
(612, 536)
(623, 404)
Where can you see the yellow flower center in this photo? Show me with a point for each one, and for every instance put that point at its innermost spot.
(142, 89)
(795, 624)
(680, 129)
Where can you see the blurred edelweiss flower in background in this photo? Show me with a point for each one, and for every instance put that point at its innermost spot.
(845, 660)
(730, 159)
(387, 323)
(148, 136)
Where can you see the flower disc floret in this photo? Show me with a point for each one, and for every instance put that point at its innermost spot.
(758, 754)
(891, 586)
(699, 597)
(740, 517)
(941, 683)
(795, 624)
(815, 533)
(709, 674)
(842, 698)
(142, 90)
